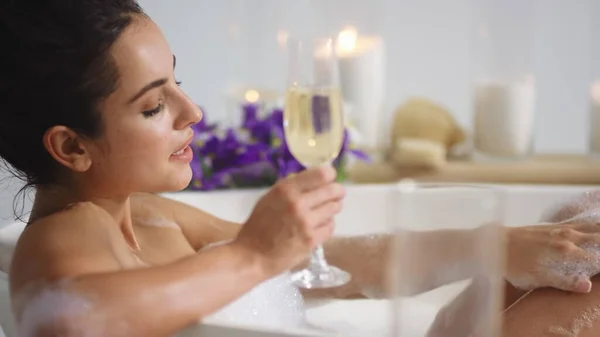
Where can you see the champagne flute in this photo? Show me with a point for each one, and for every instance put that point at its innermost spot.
(314, 131)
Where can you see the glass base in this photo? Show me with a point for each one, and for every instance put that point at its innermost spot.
(329, 277)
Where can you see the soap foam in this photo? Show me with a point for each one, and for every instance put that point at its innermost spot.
(48, 306)
(584, 320)
(584, 207)
(275, 304)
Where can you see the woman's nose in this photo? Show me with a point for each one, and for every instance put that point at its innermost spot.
(189, 113)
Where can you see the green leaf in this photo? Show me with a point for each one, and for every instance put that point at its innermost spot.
(342, 175)
(206, 171)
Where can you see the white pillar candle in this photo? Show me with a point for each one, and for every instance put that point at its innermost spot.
(504, 117)
(361, 69)
(595, 118)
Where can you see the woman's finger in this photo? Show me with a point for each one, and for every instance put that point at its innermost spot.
(324, 213)
(573, 283)
(324, 232)
(589, 242)
(587, 227)
(313, 177)
(324, 194)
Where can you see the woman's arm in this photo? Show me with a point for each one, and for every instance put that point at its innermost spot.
(438, 257)
(61, 289)
(366, 257)
(70, 272)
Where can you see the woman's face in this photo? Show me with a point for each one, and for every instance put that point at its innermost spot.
(147, 121)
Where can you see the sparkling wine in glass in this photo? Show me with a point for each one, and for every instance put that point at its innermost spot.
(314, 131)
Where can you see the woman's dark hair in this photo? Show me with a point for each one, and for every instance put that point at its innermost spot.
(55, 69)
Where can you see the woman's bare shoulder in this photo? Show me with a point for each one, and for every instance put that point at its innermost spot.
(552, 312)
(80, 218)
(64, 244)
(199, 227)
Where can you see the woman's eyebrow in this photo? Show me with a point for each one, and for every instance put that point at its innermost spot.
(152, 85)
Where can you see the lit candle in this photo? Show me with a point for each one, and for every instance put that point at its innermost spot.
(361, 65)
(242, 100)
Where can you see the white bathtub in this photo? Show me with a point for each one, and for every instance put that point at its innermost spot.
(367, 209)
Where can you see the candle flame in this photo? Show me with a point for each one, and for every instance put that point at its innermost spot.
(252, 96)
(347, 39)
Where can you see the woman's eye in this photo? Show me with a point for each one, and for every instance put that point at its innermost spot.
(150, 113)
(178, 83)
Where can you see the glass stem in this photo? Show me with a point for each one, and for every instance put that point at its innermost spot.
(317, 260)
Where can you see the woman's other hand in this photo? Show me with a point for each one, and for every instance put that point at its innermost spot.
(292, 218)
(563, 256)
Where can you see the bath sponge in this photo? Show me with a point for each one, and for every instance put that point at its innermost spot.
(423, 133)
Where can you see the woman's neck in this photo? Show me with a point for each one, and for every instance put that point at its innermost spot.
(52, 199)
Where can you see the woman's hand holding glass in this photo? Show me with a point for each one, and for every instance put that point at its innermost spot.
(291, 219)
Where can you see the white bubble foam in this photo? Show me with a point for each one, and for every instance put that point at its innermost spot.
(275, 304)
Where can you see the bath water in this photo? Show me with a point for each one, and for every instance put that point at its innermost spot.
(277, 304)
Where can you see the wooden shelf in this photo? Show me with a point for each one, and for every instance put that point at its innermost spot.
(542, 169)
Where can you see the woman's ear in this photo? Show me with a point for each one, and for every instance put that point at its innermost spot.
(66, 147)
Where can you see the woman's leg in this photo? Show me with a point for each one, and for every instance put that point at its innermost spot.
(464, 314)
(551, 312)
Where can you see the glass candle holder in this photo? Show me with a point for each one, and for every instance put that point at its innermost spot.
(255, 41)
(449, 264)
(503, 81)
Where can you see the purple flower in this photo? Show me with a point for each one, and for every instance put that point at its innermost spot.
(346, 147)
(287, 167)
(276, 117)
(202, 126)
(199, 164)
(261, 132)
(217, 180)
(256, 174)
(360, 155)
(209, 147)
(254, 155)
(250, 115)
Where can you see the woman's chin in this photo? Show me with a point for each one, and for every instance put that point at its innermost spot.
(183, 184)
(178, 182)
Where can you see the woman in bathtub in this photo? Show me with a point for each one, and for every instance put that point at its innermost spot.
(95, 120)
